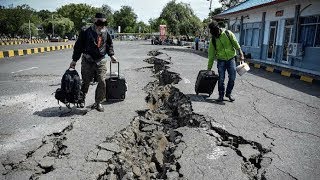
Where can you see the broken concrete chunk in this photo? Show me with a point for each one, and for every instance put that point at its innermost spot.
(149, 128)
(47, 162)
(2, 169)
(92, 155)
(173, 168)
(111, 166)
(172, 175)
(248, 152)
(104, 155)
(152, 167)
(110, 147)
(213, 133)
(136, 171)
(161, 146)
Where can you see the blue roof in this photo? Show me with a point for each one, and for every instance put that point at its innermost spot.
(245, 5)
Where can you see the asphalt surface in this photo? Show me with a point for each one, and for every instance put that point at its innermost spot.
(278, 112)
(36, 45)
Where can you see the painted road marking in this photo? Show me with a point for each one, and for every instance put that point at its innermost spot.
(25, 70)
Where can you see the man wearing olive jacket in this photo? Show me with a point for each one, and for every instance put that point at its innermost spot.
(222, 47)
(94, 43)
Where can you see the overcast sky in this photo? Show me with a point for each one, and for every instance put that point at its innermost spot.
(145, 9)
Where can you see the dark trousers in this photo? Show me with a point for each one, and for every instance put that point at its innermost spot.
(88, 72)
(197, 46)
(230, 67)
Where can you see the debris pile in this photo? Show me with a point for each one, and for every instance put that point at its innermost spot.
(149, 143)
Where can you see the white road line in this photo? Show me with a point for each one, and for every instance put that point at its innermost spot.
(25, 70)
(186, 81)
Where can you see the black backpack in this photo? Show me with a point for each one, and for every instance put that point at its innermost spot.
(70, 91)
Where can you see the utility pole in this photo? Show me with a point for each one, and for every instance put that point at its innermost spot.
(52, 27)
(210, 5)
(30, 30)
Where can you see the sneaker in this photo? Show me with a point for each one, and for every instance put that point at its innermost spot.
(220, 99)
(231, 98)
(98, 107)
(81, 105)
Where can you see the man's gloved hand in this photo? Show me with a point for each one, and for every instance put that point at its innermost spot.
(73, 64)
(113, 59)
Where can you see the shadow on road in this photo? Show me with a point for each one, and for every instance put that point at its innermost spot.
(204, 98)
(60, 112)
(296, 84)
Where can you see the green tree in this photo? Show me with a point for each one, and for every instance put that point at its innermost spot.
(125, 17)
(229, 3)
(78, 13)
(24, 30)
(105, 9)
(62, 25)
(143, 27)
(13, 17)
(180, 18)
(44, 14)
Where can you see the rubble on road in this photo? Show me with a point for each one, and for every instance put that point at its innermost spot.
(151, 145)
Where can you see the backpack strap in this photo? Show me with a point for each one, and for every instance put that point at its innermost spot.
(214, 43)
(228, 35)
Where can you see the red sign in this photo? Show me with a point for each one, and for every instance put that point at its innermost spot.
(163, 29)
(279, 13)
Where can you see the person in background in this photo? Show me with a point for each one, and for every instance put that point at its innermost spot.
(196, 40)
(222, 47)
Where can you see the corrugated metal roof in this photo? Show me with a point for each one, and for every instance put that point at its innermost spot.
(246, 5)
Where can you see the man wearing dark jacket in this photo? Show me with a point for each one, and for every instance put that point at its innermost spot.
(94, 43)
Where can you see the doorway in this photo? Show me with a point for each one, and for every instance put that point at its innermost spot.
(272, 40)
(287, 39)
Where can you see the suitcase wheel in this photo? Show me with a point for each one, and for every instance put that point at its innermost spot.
(123, 97)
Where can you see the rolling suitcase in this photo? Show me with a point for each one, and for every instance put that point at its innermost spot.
(116, 86)
(206, 81)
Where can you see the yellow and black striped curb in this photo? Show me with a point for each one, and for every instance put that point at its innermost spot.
(286, 72)
(22, 42)
(22, 52)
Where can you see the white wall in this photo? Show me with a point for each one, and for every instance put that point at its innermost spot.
(281, 25)
(288, 8)
(253, 17)
(311, 10)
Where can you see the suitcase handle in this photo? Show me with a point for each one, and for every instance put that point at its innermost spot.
(118, 68)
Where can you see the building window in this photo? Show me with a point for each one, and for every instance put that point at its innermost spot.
(309, 34)
(251, 34)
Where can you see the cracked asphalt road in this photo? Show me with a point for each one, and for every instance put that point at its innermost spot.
(37, 140)
(280, 113)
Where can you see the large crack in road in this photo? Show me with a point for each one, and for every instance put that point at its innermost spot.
(150, 147)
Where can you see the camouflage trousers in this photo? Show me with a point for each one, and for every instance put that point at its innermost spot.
(89, 71)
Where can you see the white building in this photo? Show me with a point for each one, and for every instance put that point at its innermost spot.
(279, 32)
